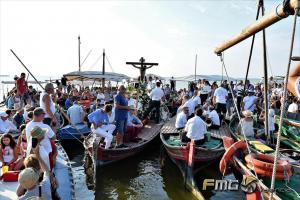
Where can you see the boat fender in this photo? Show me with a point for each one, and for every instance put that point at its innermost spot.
(230, 152)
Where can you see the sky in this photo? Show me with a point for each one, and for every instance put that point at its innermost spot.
(170, 32)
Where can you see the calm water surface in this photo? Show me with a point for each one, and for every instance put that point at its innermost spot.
(144, 177)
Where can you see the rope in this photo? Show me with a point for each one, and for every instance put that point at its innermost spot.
(282, 110)
(239, 116)
(97, 60)
(73, 136)
(109, 64)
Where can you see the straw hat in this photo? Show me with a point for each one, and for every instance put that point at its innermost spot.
(247, 113)
(38, 132)
(28, 178)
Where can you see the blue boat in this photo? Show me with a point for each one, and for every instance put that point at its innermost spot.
(69, 132)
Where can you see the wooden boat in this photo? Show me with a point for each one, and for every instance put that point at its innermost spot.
(188, 157)
(63, 172)
(107, 156)
(71, 133)
(239, 166)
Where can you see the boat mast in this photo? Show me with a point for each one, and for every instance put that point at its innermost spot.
(195, 68)
(79, 63)
(266, 85)
(103, 68)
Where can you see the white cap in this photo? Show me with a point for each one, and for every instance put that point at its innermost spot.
(3, 114)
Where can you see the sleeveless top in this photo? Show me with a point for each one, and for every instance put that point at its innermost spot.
(8, 154)
(42, 104)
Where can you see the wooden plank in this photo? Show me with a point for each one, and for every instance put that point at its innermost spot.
(267, 20)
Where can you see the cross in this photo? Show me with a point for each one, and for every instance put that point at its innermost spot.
(142, 66)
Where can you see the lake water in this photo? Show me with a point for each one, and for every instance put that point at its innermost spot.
(143, 177)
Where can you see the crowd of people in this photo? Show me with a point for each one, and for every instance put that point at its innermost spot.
(111, 113)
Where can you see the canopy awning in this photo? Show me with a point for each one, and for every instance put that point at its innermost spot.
(95, 75)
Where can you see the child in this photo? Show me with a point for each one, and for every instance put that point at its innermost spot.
(9, 153)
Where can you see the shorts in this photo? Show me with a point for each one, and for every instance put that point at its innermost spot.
(121, 126)
(221, 108)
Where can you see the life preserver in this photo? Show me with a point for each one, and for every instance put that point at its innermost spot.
(240, 145)
(263, 165)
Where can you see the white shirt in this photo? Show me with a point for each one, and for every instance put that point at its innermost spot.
(271, 119)
(221, 94)
(156, 94)
(101, 96)
(45, 142)
(6, 126)
(195, 128)
(42, 104)
(196, 100)
(206, 89)
(293, 108)
(181, 120)
(249, 102)
(191, 105)
(213, 115)
(75, 113)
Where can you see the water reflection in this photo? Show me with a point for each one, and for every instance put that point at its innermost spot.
(143, 177)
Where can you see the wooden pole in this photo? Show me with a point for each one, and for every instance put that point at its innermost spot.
(195, 68)
(79, 63)
(103, 68)
(27, 70)
(276, 15)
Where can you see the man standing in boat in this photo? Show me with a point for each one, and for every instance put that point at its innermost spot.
(220, 98)
(22, 89)
(48, 105)
(121, 115)
(156, 96)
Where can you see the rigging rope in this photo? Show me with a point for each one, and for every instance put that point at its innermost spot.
(109, 64)
(283, 102)
(94, 64)
(238, 114)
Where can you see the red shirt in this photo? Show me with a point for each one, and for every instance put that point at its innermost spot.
(21, 86)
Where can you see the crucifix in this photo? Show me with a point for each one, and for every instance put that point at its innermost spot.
(142, 66)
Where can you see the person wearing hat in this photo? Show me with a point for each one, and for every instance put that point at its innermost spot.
(181, 118)
(48, 105)
(100, 124)
(29, 181)
(245, 126)
(5, 125)
(134, 124)
(46, 140)
(249, 101)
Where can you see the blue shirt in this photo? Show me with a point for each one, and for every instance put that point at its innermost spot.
(121, 114)
(68, 103)
(132, 119)
(98, 116)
